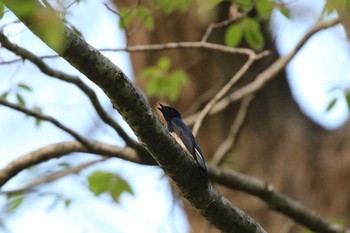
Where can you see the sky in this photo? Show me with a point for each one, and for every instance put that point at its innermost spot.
(150, 209)
(319, 66)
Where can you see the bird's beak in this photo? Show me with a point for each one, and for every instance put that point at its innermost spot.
(161, 107)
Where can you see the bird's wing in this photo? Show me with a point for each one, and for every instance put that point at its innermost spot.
(186, 136)
(184, 133)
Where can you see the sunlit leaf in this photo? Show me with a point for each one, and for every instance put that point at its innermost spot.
(285, 11)
(233, 35)
(208, 5)
(24, 86)
(67, 202)
(2, 10)
(20, 100)
(4, 95)
(125, 17)
(46, 23)
(252, 34)
(38, 122)
(104, 182)
(170, 6)
(50, 28)
(255, 39)
(164, 63)
(144, 15)
(347, 97)
(347, 6)
(13, 202)
(264, 9)
(331, 104)
(245, 5)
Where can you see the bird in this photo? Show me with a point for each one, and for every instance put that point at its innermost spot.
(183, 135)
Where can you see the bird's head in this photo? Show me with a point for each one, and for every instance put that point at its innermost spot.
(169, 113)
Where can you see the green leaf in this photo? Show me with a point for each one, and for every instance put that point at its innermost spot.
(125, 17)
(285, 11)
(164, 63)
(38, 122)
(162, 82)
(4, 95)
(145, 17)
(208, 5)
(253, 35)
(233, 35)
(67, 202)
(13, 202)
(249, 23)
(104, 182)
(331, 104)
(170, 6)
(24, 86)
(264, 9)
(20, 100)
(2, 10)
(347, 97)
(347, 6)
(245, 5)
(52, 31)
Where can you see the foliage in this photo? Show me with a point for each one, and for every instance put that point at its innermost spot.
(13, 202)
(332, 5)
(48, 27)
(162, 82)
(104, 182)
(249, 28)
(140, 13)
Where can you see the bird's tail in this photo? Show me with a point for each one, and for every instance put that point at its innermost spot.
(201, 163)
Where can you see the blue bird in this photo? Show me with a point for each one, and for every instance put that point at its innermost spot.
(183, 136)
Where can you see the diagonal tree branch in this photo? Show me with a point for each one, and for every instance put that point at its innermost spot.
(229, 178)
(60, 149)
(266, 75)
(275, 200)
(52, 177)
(136, 111)
(231, 138)
(41, 116)
(26, 54)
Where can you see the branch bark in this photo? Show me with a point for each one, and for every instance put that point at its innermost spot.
(136, 111)
(60, 149)
(275, 200)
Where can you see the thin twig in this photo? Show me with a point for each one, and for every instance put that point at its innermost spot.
(43, 117)
(64, 148)
(221, 93)
(52, 177)
(231, 138)
(266, 75)
(274, 199)
(167, 46)
(182, 45)
(89, 92)
(221, 24)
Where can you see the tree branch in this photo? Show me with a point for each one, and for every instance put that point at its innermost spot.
(41, 116)
(266, 75)
(231, 138)
(52, 177)
(229, 178)
(275, 200)
(43, 67)
(60, 149)
(135, 109)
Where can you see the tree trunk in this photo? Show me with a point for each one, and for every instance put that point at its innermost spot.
(277, 142)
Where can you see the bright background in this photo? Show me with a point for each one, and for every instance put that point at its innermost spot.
(321, 65)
